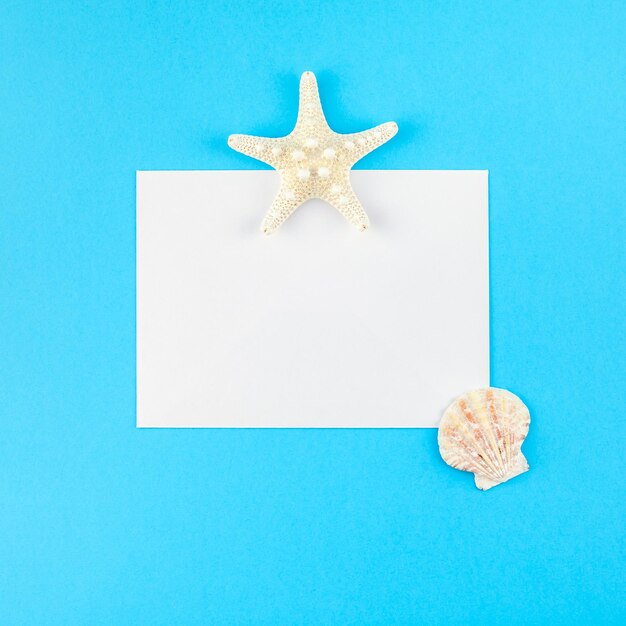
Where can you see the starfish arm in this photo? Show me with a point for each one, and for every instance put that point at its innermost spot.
(284, 204)
(310, 113)
(342, 197)
(360, 144)
(266, 149)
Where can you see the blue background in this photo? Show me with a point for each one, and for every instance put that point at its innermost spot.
(101, 523)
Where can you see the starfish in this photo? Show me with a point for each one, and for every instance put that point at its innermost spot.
(313, 160)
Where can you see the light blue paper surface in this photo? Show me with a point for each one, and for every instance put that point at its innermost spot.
(101, 523)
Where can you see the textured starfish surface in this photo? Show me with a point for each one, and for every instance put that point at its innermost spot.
(313, 160)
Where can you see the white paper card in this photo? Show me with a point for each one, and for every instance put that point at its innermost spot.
(318, 325)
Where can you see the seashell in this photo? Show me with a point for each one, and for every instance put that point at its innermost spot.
(482, 432)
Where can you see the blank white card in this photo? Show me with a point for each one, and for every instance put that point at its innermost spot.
(318, 325)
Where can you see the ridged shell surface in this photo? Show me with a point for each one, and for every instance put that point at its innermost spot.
(482, 432)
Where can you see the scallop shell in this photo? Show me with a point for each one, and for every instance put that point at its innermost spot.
(482, 432)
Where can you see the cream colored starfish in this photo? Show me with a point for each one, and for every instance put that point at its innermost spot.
(313, 160)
